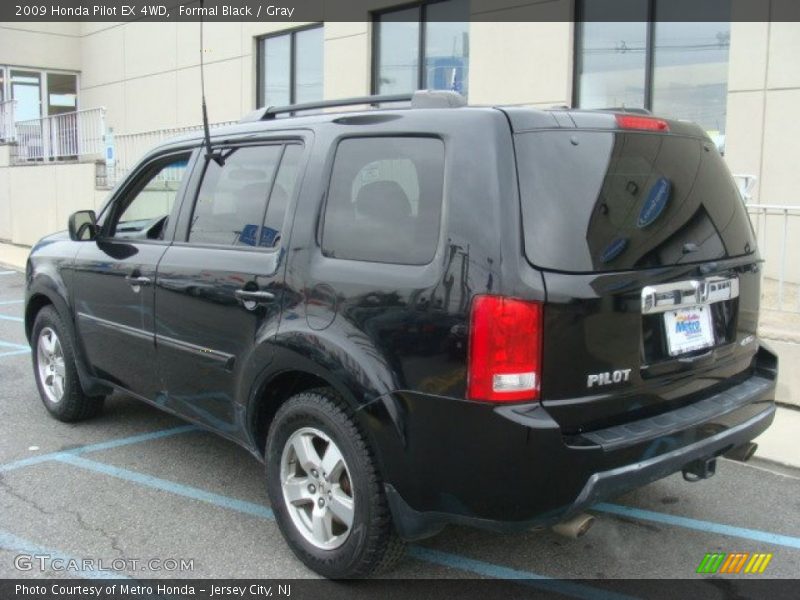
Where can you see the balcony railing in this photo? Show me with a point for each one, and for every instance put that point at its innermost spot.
(777, 230)
(130, 147)
(8, 132)
(76, 135)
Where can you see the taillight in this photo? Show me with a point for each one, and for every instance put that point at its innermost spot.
(505, 349)
(637, 122)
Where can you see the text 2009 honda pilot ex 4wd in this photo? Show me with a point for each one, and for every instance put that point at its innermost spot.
(419, 316)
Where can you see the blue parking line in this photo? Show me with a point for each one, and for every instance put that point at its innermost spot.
(9, 302)
(126, 441)
(13, 346)
(700, 525)
(9, 541)
(548, 584)
(14, 353)
(7, 318)
(169, 486)
(8, 272)
(450, 560)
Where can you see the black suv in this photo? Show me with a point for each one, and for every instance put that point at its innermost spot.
(422, 315)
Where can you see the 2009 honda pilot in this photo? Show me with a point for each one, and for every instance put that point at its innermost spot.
(420, 315)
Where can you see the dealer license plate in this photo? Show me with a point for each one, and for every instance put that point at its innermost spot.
(688, 329)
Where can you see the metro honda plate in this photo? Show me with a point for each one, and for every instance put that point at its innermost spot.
(688, 329)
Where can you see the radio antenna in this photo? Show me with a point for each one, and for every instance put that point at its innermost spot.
(206, 134)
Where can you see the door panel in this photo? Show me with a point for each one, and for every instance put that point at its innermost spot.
(218, 291)
(115, 316)
(206, 336)
(115, 276)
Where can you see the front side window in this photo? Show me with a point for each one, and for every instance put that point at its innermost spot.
(385, 200)
(146, 207)
(422, 47)
(656, 61)
(290, 67)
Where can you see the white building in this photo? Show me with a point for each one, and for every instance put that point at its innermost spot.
(739, 80)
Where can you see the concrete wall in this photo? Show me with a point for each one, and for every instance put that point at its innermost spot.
(763, 96)
(41, 45)
(37, 200)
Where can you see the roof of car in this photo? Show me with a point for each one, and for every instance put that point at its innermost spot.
(421, 103)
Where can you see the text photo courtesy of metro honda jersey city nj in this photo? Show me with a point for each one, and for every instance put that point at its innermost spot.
(367, 297)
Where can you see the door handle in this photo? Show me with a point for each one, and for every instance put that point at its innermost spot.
(253, 297)
(137, 280)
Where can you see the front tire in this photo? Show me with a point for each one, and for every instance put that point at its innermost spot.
(55, 370)
(325, 491)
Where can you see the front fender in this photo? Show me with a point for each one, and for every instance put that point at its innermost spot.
(47, 277)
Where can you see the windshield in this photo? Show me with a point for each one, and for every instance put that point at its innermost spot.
(608, 201)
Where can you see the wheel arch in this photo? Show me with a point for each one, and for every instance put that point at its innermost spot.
(42, 293)
(292, 372)
(271, 394)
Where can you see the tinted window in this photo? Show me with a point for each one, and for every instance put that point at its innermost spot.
(282, 192)
(602, 201)
(233, 197)
(385, 200)
(150, 201)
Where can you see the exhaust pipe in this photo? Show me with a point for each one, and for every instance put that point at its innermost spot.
(742, 453)
(575, 527)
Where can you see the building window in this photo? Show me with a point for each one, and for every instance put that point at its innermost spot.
(656, 60)
(290, 67)
(424, 46)
(38, 93)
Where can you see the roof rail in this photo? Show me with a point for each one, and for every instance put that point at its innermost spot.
(419, 99)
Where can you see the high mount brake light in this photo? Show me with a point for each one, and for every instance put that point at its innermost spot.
(505, 349)
(645, 123)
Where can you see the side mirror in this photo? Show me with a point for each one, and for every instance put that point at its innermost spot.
(82, 225)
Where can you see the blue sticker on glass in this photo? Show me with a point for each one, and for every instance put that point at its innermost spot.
(655, 203)
(614, 249)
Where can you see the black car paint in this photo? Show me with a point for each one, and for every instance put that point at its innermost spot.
(392, 339)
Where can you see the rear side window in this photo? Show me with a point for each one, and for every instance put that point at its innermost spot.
(605, 201)
(282, 192)
(233, 196)
(385, 200)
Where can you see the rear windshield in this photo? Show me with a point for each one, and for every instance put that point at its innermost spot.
(608, 201)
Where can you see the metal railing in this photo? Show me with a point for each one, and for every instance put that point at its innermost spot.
(777, 229)
(68, 136)
(130, 147)
(8, 132)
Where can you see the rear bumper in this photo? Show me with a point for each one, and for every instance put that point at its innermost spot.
(510, 468)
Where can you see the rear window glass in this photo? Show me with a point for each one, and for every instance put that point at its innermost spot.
(385, 200)
(605, 201)
(233, 197)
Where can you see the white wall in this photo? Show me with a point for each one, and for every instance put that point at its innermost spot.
(763, 97)
(37, 200)
(41, 45)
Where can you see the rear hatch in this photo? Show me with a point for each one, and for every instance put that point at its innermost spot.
(649, 262)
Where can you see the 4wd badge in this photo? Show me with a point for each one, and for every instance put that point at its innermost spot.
(607, 378)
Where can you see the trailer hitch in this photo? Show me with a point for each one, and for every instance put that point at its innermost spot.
(703, 468)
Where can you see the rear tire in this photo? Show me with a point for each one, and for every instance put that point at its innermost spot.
(325, 490)
(53, 353)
